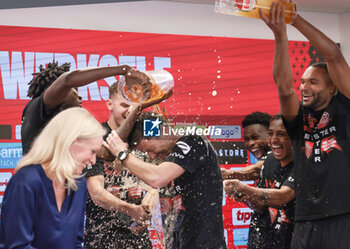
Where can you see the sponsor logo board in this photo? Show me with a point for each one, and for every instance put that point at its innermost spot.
(241, 216)
(4, 179)
(228, 132)
(240, 236)
(10, 154)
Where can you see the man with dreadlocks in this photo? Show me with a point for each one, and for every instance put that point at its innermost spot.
(54, 89)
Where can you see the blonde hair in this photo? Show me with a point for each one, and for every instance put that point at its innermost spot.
(53, 143)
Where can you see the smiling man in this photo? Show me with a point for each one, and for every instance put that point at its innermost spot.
(272, 221)
(320, 131)
(255, 136)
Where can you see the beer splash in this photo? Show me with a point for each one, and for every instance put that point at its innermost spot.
(136, 93)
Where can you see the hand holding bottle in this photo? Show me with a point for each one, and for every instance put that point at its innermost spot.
(251, 8)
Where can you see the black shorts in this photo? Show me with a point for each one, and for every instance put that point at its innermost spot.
(329, 233)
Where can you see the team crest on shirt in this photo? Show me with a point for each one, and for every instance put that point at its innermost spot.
(320, 138)
(279, 216)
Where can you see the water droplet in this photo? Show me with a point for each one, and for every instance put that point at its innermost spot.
(214, 93)
(209, 108)
(218, 77)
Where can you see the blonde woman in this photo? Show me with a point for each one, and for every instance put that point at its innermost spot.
(44, 202)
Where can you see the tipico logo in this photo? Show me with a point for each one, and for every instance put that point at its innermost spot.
(152, 128)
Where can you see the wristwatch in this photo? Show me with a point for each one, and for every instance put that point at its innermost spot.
(123, 155)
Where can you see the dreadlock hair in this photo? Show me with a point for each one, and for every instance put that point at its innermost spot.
(45, 78)
(257, 118)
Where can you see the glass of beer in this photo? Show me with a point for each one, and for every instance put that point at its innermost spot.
(134, 92)
(250, 8)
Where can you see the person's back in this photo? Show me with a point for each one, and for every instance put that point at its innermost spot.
(191, 162)
(199, 222)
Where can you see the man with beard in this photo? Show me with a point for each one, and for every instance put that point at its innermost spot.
(320, 131)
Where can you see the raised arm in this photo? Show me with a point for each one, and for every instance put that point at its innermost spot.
(282, 72)
(154, 175)
(61, 87)
(338, 68)
(126, 127)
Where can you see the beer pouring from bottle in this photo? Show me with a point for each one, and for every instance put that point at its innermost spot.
(141, 95)
(250, 8)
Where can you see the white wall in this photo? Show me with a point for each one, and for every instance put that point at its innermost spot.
(344, 22)
(166, 17)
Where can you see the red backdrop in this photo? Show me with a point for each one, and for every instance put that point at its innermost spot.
(216, 78)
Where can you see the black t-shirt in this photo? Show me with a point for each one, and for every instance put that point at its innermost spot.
(199, 223)
(34, 119)
(321, 144)
(110, 229)
(272, 229)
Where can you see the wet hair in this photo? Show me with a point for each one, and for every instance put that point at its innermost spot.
(257, 118)
(113, 89)
(45, 78)
(136, 134)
